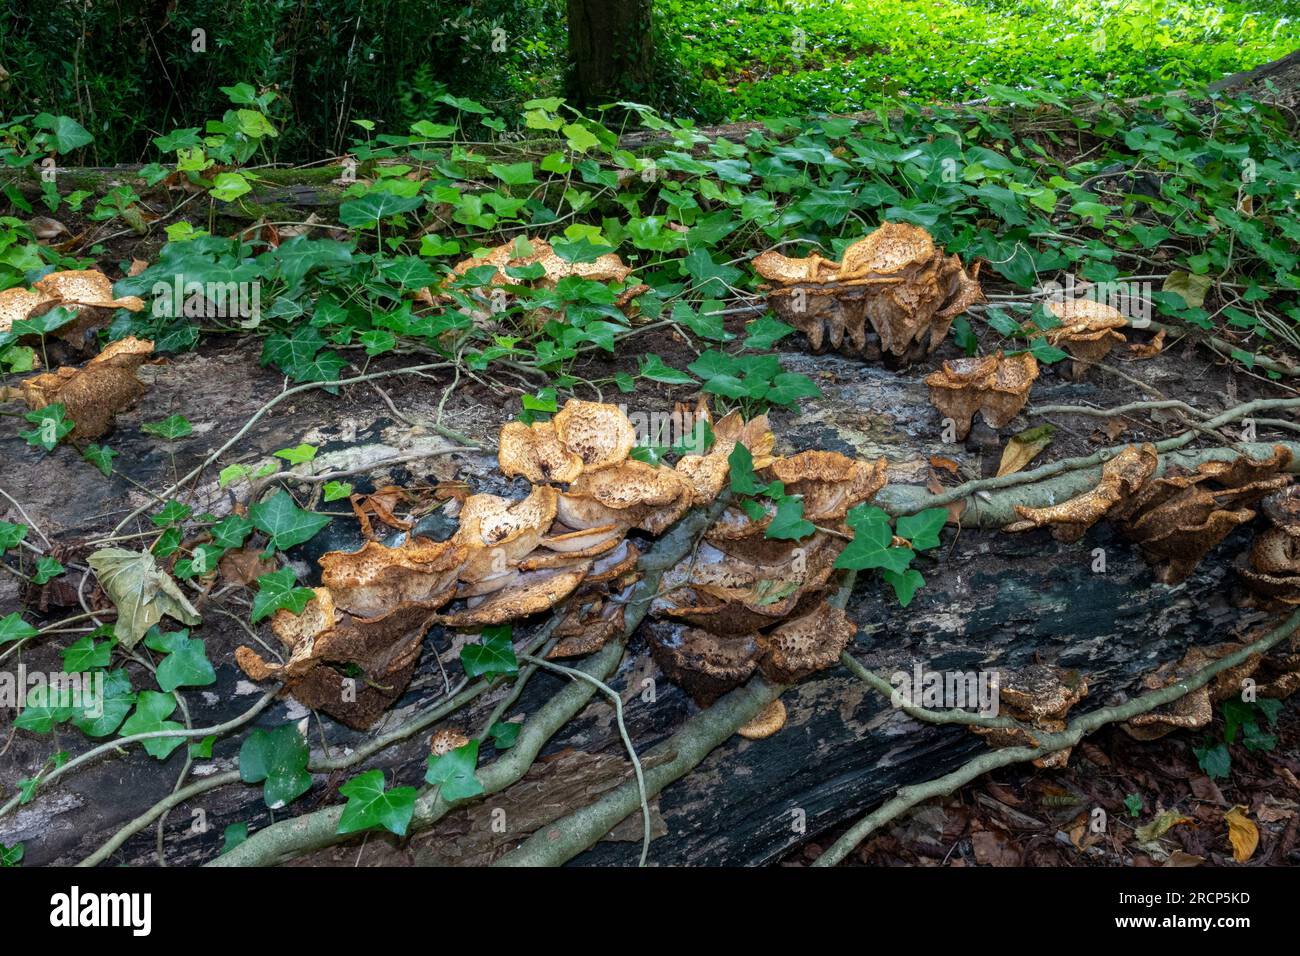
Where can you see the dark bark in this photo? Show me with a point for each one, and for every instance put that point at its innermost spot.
(611, 49)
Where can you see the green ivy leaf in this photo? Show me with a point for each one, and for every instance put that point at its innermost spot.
(905, 585)
(105, 716)
(52, 426)
(284, 522)
(101, 456)
(88, 654)
(299, 455)
(923, 528)
(14, 628)
(493, 655)
(278, 591)
(335, 490)
(47, 568)
(11, 535)
(453, 772)
(186, 663)
(504, 734)
(232, 836)
(151, 712)
(371, 805)
(170, 428)
(789, 524)
(278, 757)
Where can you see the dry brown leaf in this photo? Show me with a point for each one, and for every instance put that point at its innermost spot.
(1162, 824)
(1141, 350)
(1242, 834)
(1021, 449)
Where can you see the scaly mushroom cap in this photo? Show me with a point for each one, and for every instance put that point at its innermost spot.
(829, 482)
(1179, 518)
(1193, 710)
(376, 578)
(446, 740)
(774, 267)
(707, 474)
(1120, 478)
(766, 722)
(93, 394)
(702, 664)
(1087, 331)
(889, 250)
(85, 287)
(532, 593)
(498, 532)
(322, 640)
(587, 629)
(536, 452)
(606, 268)
(997, 386)
(1038, 695)
(806, 644)
(1272, 571)
(893, 278)
(17, 304)
(599, 434)
(633, 493)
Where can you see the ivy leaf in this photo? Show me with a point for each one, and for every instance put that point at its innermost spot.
(11, 535)
(872, 544)
(229, 533)
(151, 712)
(277, 591)
(284, 522)
(107, 713)
(493, 655)
(170, 428)
(232, 836)
(14, 628)
(765, 332)
(101, 456)
(368, 210)
(514, 174)
(11, 855)
(51, 426)
(453, 772)
(1214, 759)
(299, 455)
(905, 585)
(653, 368)
(141, 592)
(370, 805)
(278, 757)
(335, 490)
(504, 734)
(202, 749)
(47, 568)
(711, 278)
(63, 132)
(789, 524)
(186, 663)
(87, 654)
(174, 512)
(922, 528)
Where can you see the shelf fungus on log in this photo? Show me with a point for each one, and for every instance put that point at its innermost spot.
(1175, 519)
(1087, 331)
(1271, 569)
(1194, 710)
(895, 280)
(1039, 696)
(93, 394)
(996, 386)
(534, 263)
(352, 668)
(88, 292)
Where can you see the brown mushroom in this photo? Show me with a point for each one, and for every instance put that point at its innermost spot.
(996, 386)
(93, 394)
(806, 644)
(1039, 696)
(377, 578)
(894, 278)
(765, 723)
(1120, 477)
(1087, 331)
(1271, 570)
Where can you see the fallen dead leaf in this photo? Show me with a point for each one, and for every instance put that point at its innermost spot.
(1140, 350)
(1161, 825)
(1179, 858)
(1242, 834)
(1022, 448)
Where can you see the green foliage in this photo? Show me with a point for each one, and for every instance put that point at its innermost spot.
(278, 591)
(493, 655)
(371, 804)
(278, 757)
(874, 546)
(1214, 756)
(453, 772)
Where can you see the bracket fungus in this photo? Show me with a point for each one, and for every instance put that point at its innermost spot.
(1040, 696)
(93, 394)
(1176, 519)
(996, 386)
(1087, 331)
(1195, 709)
(350, 667)
(87, 291)
(893, 279)
(1271, 570)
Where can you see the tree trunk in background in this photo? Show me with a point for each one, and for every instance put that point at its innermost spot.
(610, 48)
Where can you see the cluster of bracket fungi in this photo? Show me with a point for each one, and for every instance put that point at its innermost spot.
(738, 603)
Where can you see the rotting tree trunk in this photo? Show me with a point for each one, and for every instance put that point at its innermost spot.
(611, 49)
(991, 602)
